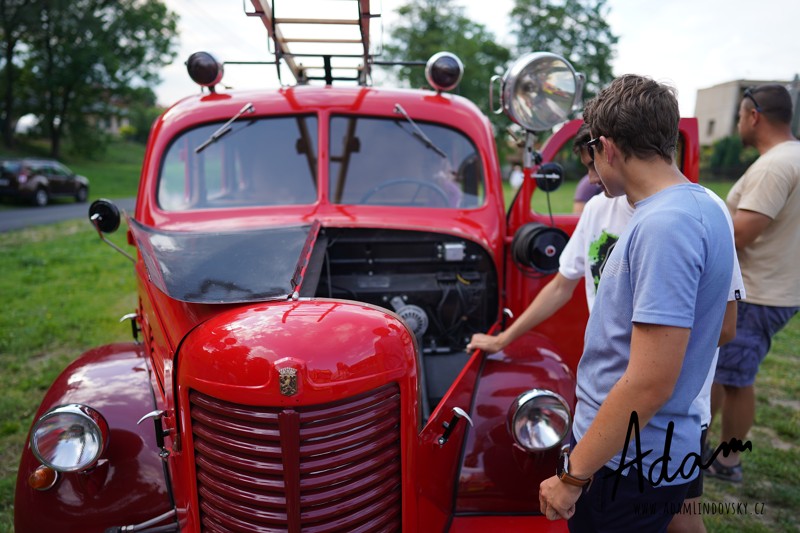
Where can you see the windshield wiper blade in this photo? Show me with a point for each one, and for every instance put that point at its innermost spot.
(418, 133)
(225, 128)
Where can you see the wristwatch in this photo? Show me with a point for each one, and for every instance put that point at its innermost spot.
(562, 471)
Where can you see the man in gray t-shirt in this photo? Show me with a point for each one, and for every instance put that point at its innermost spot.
(653, 331)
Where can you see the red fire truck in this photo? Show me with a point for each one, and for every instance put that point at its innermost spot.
(311, 263)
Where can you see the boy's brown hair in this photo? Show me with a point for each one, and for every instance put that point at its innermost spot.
(583, 136)
(639, 114)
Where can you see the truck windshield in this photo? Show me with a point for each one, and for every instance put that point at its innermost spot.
(376, 161)
(225, 267)
(259, 162)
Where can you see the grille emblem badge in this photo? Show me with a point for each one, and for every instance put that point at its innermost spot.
(288, 381)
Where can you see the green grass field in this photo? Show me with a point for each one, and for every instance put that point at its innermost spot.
(64, 292)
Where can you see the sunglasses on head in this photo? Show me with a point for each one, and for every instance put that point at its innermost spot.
(749, 94)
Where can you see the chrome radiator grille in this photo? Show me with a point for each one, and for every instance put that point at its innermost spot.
(329, 467)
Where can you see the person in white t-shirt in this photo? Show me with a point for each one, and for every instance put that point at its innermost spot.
(598, 230)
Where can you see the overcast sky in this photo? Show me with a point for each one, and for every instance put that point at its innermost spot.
(690, 44)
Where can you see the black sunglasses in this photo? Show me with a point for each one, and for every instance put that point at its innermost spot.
(590, 147)
(749, 94)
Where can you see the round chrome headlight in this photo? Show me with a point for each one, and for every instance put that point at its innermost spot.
(69, 438)
(540, 91)
(539, 420)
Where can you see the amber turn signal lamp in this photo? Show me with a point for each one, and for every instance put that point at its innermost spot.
(43, 478)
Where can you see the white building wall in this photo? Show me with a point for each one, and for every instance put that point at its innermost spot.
(717, 108)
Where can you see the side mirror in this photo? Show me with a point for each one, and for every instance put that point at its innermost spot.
(104, 216)
(549, 177)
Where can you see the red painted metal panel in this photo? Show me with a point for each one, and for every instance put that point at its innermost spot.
(313, 468)
(328, 456)
(128, 485)
(497, 475)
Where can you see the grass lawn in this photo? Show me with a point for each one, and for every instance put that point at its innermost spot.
(63, 292)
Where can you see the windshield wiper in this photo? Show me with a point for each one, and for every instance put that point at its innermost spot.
(225, 128)
(418, 133)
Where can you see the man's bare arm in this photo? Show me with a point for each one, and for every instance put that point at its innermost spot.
(656, 359)
(747, 226)
(657, 354)
(728, 331)
(549, 300)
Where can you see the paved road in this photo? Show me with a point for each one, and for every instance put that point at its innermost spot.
(24, 216)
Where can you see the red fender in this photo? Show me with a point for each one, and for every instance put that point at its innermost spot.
(498, 476)
(128, 486)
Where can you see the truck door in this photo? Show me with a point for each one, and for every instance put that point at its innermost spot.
(566, 327)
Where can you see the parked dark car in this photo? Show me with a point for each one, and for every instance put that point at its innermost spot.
(39, 180)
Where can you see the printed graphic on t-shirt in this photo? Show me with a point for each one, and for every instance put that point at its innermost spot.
(599, 250)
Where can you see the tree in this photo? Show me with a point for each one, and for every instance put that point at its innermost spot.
(729, 159)
(17, 17)
(574, 29)
(88, 51)
(143, 112)
(430, 26)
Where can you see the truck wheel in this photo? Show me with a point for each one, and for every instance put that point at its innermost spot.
(41, 198)
(82, 195)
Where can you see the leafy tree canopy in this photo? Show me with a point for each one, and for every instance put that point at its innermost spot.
(430, 26)
(83, 57)
(574, 29)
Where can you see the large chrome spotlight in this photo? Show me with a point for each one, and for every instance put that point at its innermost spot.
(539, 420)
(540, 90)
(69, 438)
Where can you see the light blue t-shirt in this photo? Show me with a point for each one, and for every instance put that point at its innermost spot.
(671, 266)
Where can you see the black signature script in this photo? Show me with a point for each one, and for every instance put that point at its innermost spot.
(692, 460)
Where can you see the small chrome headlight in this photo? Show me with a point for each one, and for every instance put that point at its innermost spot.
(539, 420)
(540, 90)
(69, 438)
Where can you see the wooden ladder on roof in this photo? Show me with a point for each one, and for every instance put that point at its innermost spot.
(334, 35)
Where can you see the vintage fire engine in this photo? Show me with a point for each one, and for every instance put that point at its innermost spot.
(311, 263)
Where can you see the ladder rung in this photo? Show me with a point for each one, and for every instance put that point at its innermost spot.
(356, 56)
(319, 67)
(333, 41)
(315, 21)
(333, 78)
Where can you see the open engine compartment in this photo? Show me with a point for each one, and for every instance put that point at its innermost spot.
(445, 288)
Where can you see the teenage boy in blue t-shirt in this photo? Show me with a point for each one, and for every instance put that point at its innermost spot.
(654, 329)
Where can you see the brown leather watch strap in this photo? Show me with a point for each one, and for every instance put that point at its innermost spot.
(569, 479)
(562, 471)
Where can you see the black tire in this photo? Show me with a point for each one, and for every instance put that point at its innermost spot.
(82, 195)
(40, 197)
